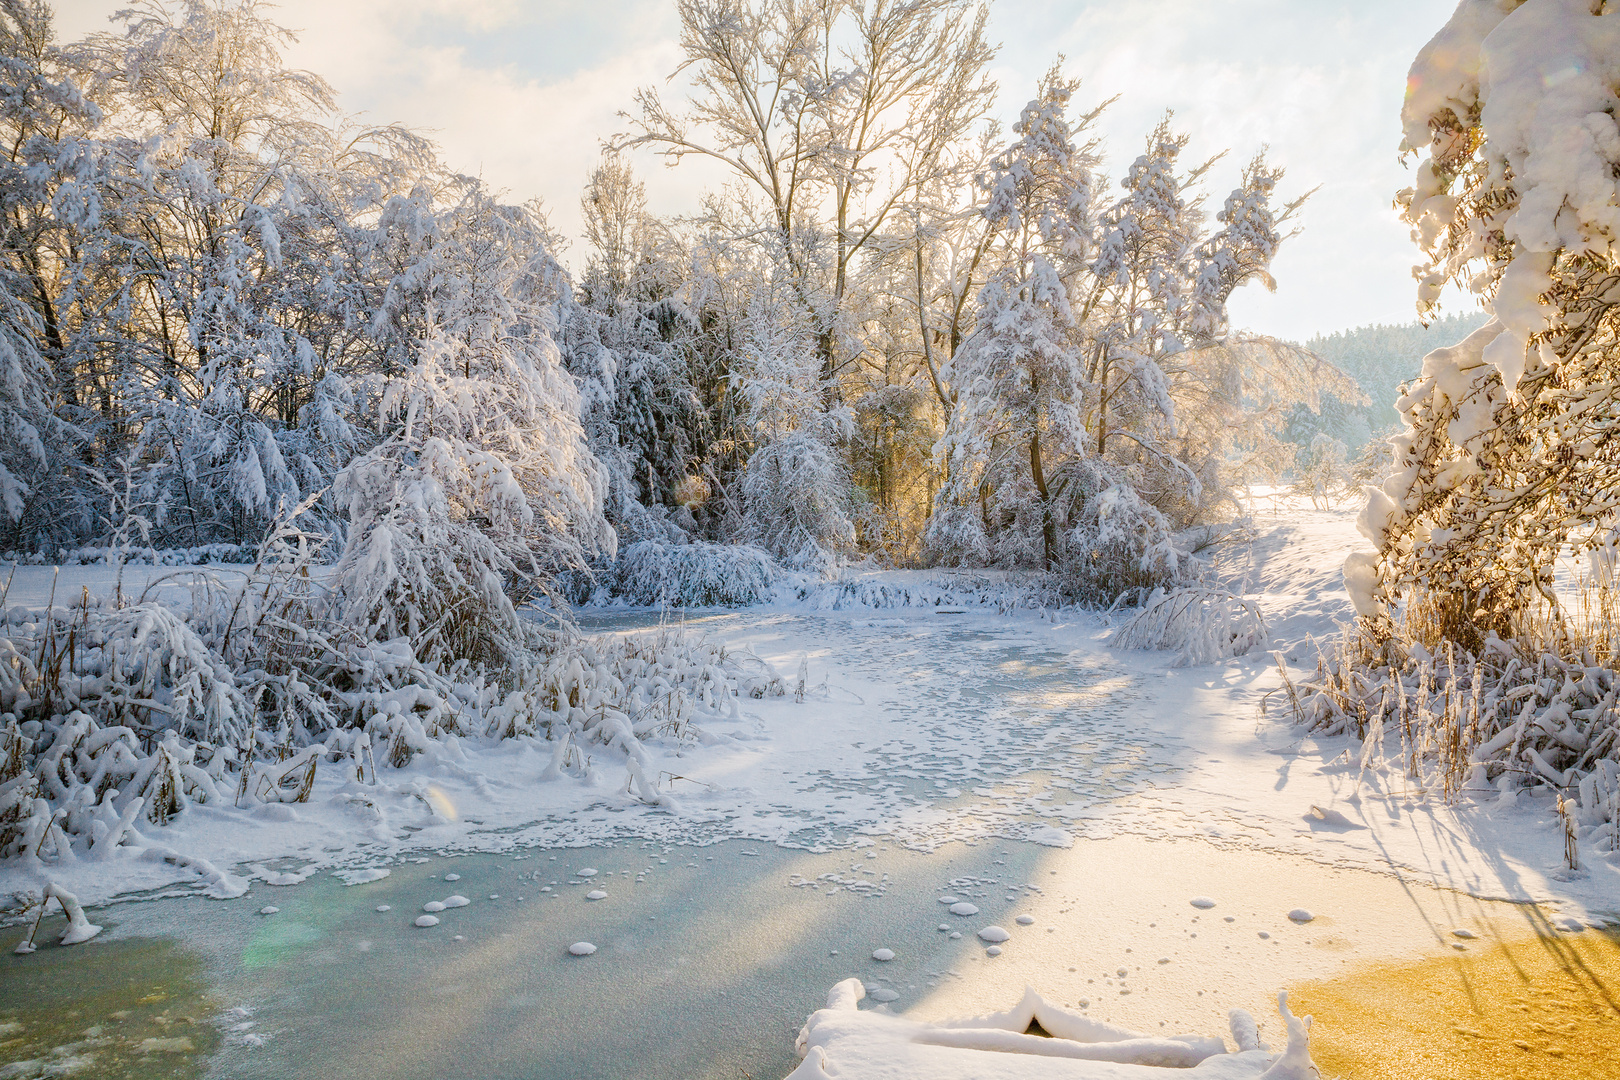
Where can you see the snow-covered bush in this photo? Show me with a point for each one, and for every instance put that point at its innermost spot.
(482, 485)
(796, 496)
(698, 574)
(1324, 473)
(796, 492)
(1465, 652)
(1201, 626)
(1120, 545)
(1505, 457)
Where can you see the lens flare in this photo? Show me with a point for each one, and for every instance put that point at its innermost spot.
(441, 802)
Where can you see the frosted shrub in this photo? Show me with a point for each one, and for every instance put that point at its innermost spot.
(1324, 473)
(1505, 454)
(1120, 545)
(123, 711)
(1201, 626)
(698, 574)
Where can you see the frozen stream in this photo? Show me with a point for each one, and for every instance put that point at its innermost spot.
(927, 746)
(1010, 762)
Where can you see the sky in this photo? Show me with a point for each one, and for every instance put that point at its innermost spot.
(522, 93)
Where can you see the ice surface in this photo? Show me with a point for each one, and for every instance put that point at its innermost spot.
(362, 876)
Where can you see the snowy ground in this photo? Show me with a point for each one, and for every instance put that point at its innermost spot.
(921, 730)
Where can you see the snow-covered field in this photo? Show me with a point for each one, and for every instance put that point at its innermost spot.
(923, 729)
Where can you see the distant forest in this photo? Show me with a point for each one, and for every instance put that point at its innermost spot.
(1380, 358)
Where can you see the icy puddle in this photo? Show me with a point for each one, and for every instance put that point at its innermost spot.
(1528, 1009)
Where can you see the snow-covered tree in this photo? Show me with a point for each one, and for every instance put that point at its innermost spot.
(795, 488)
(1507, 453)
(622, 339)
(1020, 379)
(482, 487)
(43, 189)
(831, 115)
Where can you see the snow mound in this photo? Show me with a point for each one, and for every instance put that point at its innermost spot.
(884, 955)
(1202, 902)
(844, 1042)
(582, 948)
(994, 934)
(427, 920)
(1201, 626)
(964, 908)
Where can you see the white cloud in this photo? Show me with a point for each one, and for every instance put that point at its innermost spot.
(523, 93)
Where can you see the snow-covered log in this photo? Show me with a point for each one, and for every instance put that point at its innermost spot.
(845, 1041)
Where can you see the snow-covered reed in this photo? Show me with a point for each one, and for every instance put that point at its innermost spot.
(1003, 592)
(120, 711)
(1201, 626)
(1523, 714)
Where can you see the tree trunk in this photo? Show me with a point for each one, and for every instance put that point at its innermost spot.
(1048, 526)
